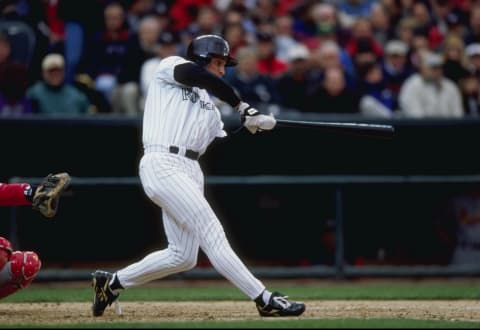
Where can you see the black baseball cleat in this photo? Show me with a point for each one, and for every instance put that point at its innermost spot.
(104, 296)
(279, 305)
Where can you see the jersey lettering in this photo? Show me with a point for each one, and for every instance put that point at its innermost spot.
(189, 94)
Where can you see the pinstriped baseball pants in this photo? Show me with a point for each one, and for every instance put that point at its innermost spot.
(175, 183)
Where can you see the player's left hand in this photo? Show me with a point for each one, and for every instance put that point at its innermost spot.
(254, 121)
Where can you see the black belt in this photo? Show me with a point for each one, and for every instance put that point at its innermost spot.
(188, 153)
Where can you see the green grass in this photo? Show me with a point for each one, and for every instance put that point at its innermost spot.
(212, 292)
(270, 324)
(302, 291)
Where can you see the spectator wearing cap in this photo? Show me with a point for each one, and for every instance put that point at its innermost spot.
(13, 82)
(293, 85)
(473, 56)
(168, 44)
(428, 93)
(396, 67)
(53, 95)
(141, 47)
(268, 62)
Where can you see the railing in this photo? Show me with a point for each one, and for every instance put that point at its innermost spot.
(339, 270)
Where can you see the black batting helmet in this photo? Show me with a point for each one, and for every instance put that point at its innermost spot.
(202, 48)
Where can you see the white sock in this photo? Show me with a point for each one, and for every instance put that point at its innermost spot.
(266, 296)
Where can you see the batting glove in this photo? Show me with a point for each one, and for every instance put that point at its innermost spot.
(253, 120)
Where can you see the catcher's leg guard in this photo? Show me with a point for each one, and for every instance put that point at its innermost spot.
(5, 251)
(24, 266)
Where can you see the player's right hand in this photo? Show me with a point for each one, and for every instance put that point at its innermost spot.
(253, 120)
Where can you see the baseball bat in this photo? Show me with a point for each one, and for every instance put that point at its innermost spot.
(360, 129)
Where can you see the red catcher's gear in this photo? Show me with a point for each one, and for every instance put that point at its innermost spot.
(24, 266)
(13, 194)
(5, 251)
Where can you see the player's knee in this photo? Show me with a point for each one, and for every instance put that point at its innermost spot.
(185, 262)
(5, 251)
(24, 267)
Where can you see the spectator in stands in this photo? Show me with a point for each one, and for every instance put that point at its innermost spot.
(350, 11)
(268, 62)
(105, 54)
(428, 93)
(81, 20)
(362, 40)
(206, 22)
(13, 82)
(381, 24)
(322, 25)
(421, 14)
(470, 90)
(255, 88)
(328, 55)
(141, 47)
(418, 46)
(53, 95)
(26, 43)
(236, 36)
(376, 99)
(238, 15)
(455, 66)
(473, 56)
(473, 28)
(284, 36)
(136, 10)
(396, 67)
(293, 85)
(405, 30)
(333, 96)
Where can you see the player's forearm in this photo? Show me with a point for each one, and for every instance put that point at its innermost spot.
(191, 74)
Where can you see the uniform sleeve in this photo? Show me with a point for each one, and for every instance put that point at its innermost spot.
(176, 70)
(193, 75)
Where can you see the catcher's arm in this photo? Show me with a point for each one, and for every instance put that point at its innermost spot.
(47, 195)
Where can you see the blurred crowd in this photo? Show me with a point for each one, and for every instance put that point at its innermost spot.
(378, 58)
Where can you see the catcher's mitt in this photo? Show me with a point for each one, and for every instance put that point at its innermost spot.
(47, 195)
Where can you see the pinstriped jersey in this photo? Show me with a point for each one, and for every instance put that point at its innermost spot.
(180, 115)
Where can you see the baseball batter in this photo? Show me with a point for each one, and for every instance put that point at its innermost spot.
(180, 121)
(19, 268)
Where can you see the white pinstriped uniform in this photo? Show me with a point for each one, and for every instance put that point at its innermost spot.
(187, 118)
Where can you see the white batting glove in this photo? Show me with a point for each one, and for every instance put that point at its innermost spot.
(253, 120)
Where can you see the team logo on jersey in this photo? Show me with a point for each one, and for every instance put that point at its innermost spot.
(189, 94)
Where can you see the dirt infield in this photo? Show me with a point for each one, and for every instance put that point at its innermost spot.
(66, 313)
